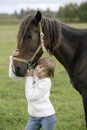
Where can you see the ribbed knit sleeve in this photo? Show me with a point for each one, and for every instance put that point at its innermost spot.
(35, 91)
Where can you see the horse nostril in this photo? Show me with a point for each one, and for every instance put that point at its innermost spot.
(17, 68)
(20, 70)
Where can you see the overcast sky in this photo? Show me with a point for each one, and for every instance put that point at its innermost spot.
(9, 6)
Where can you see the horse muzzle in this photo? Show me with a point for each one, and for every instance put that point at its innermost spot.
(20, 70)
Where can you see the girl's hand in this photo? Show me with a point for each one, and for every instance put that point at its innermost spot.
(35, 72)
(30, 72)
(15, 52)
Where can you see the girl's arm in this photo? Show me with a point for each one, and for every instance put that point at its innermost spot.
(35, 91)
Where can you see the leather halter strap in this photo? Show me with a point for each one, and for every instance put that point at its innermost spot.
(29, 61)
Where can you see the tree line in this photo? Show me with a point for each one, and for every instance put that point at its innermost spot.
(69, 13)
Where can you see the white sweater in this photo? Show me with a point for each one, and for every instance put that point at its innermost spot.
(37, 94)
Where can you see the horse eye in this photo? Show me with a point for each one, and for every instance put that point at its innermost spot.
(29, 37)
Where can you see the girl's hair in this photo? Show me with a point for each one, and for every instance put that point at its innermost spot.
(48, 64)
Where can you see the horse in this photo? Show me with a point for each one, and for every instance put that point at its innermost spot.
(67, 44)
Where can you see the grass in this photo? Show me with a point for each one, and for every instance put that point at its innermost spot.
(13, 106)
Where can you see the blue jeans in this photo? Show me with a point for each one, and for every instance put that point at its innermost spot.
(46, 123)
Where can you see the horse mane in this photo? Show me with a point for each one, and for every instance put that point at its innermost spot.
(52, 30)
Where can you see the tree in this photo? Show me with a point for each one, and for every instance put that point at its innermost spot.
(83, 12)
(69, 13)
(22, 14)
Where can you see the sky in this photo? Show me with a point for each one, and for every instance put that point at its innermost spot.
(9, 6)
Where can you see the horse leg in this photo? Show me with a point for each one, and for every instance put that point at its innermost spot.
(84, 97)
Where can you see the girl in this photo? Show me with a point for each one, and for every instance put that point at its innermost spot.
(37, 91)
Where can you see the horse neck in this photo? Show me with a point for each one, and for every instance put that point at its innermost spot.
(61, 40)
(68, 45)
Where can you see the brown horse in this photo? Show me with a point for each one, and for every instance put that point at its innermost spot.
(68, 45)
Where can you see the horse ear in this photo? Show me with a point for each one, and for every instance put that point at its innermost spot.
(38, 16)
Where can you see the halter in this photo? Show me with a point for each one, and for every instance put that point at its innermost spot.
(29, 61)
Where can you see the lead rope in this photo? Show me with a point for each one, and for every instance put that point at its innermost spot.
(41, 38)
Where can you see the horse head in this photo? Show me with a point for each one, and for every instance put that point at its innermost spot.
(30, 40)
(35, 34)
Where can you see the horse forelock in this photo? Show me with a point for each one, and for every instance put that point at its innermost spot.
(52, 30)
(23, 28)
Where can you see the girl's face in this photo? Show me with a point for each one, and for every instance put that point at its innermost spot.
(40, 71)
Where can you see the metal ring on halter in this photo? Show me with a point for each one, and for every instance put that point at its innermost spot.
(41, 34)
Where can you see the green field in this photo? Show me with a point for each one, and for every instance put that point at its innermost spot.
(13, 106)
